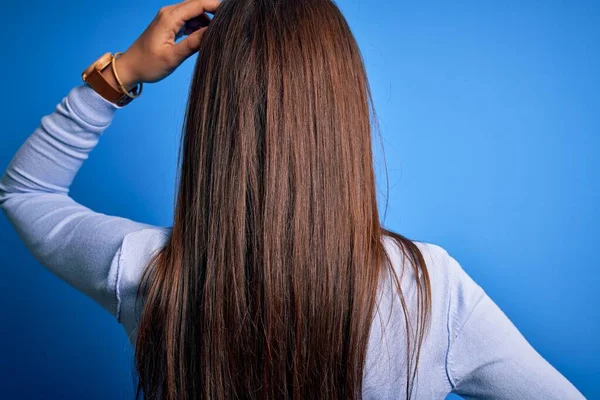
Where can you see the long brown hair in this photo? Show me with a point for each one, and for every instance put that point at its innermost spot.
(266, 288)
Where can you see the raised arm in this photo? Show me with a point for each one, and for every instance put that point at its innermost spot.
(80, 245)
(77, 244)
(488, 358)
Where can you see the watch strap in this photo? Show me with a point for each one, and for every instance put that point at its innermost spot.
(93, 77)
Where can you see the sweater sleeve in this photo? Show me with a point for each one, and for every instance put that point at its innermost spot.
(488, 358)
(77, 244)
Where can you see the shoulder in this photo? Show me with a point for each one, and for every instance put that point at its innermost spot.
(461, 292)
(140, 245)
(435, 256)
(446, 270)
(441, 273)
(454, 293)
(136, 252)
(440, 276)
(444, 277)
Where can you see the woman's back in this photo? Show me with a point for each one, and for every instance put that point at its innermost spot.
(471, 347)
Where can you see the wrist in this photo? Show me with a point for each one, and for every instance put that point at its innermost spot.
(125, 74)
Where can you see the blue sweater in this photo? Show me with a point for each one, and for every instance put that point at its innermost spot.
(471, 349)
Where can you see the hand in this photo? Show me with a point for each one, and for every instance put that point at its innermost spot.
(155, 54)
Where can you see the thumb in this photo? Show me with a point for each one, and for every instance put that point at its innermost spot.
(190, 44)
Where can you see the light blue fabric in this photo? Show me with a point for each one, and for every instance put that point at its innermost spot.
(471, 349)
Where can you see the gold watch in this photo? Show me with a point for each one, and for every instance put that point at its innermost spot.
(93, 77)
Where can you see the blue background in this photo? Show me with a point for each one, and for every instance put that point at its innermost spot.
(489, 116)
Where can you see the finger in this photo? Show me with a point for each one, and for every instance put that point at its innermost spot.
(190, 44)
(198, 22)
(192, 25)
(193, 8)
